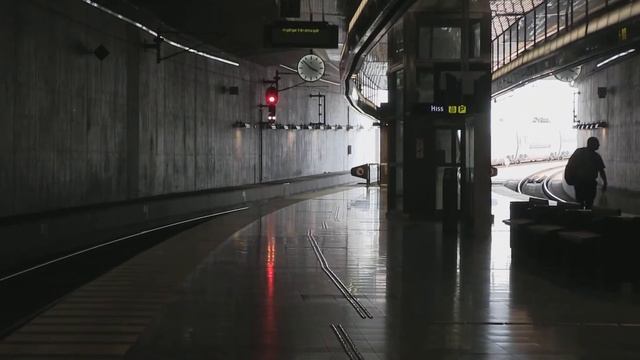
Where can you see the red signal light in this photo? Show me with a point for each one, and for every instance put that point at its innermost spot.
(271, 96)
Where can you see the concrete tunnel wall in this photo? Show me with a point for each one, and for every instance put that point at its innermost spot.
(76, 131)
(620, 142)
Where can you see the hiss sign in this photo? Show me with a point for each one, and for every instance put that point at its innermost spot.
(447, 109)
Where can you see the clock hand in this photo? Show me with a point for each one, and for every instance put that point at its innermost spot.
(310, 67)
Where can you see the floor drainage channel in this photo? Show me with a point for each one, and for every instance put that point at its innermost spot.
(360, 309)
(347, 344)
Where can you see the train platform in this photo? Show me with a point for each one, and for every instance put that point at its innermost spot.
(327, 275)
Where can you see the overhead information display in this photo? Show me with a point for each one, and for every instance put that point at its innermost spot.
(302, 34)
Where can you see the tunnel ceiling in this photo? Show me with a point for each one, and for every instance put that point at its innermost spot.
(236, 26)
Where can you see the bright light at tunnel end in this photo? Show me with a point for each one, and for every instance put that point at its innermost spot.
(153, 33)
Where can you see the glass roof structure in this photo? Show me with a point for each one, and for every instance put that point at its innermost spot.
(506, 12)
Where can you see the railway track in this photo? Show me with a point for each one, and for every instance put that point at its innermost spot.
(31, 291)
(544, 184)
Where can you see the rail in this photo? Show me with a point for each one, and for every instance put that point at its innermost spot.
(123, 238)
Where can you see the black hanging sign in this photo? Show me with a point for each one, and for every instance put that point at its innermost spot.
(302, 34)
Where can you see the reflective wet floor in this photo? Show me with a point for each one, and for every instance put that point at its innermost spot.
(329, 276)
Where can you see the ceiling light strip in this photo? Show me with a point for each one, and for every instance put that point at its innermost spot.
(171, 42)
(615, 57)
(356, 15)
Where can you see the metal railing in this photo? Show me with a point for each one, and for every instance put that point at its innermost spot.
(546, 20)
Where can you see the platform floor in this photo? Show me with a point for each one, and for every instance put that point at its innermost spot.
(234, 288)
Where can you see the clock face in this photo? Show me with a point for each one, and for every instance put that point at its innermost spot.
(569, 75)
(311, 67)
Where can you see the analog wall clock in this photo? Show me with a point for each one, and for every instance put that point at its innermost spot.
(311, 67)
(569, 75)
